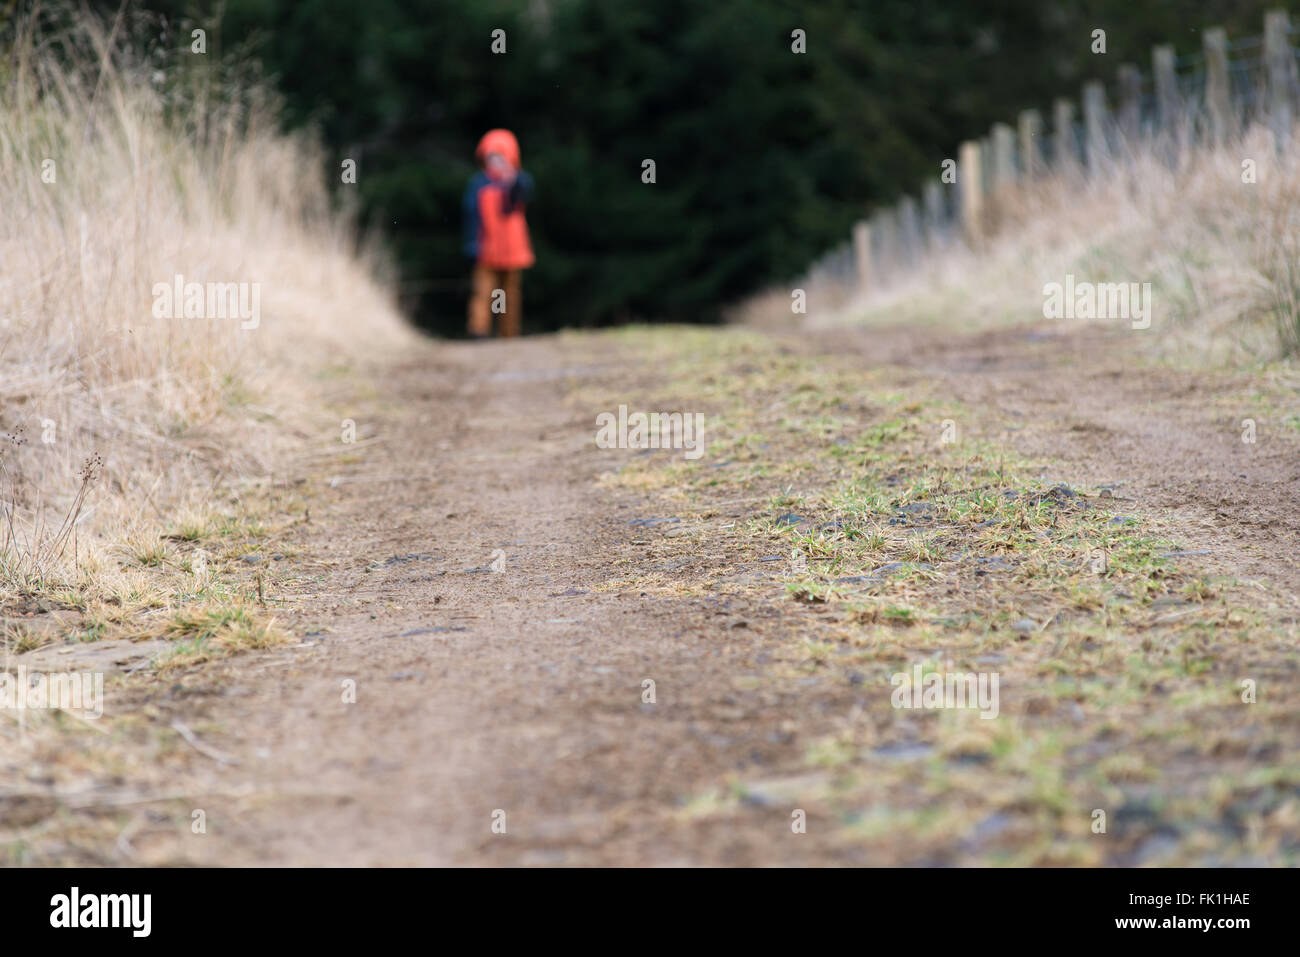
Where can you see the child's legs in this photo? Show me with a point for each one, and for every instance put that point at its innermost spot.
(512, 318)
(480, 300)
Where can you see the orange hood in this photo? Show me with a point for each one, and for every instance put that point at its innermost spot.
(499, 141)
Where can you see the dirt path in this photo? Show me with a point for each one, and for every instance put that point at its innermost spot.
(521, 690)
(476, 691)
(1169, 441)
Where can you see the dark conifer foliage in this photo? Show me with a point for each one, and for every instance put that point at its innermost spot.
(763, 156)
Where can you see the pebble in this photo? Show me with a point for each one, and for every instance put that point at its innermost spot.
(650, 522)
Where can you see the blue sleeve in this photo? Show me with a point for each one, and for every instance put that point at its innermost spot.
(469, 206)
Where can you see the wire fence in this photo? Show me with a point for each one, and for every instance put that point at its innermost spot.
(1200, 98)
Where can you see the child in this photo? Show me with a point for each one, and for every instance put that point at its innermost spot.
(496, 234)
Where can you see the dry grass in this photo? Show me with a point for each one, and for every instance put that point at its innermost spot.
(117, 172)
(1219, 252)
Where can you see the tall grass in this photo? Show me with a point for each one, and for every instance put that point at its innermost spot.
(1221, 253)
(120, 167)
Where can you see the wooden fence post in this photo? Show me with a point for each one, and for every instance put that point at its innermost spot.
(970, 181)
(1281, 72)
(885, 232)
(933, 215)
(986, 166)
(1218, 99)
(909, 229)
(1094, 125)
(1130, 104)
(1066, 156)
(862, 253)
(1169, 114)
(1004, 157)
(1029, 127)
(876, 234)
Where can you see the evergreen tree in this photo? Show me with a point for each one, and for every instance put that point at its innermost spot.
(763, 156)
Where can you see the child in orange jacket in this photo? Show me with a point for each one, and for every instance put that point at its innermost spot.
(496, 234)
